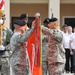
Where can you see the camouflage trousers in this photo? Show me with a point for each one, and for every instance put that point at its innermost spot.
(56, 69)
(18, 69)
(44, 67)
(4, 66)
(27, 67)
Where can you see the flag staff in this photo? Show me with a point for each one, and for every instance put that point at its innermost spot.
(1, 13)
(51, 14)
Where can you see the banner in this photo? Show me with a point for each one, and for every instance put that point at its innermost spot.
(34, 50)
(2, 4)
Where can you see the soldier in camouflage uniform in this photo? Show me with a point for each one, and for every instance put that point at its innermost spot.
(56, 52)
(18, 47)
(24, 17)
(4, 53)
(45, 49)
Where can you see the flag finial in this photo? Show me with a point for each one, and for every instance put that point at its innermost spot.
(51, 13)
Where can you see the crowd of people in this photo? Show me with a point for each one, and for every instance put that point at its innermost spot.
(68, 34)
(58, 47)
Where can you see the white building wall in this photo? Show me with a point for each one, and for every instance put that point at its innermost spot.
(7, 13)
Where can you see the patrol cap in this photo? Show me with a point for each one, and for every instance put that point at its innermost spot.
(20, 22)
(47, 20)
(53, 19)
(23, 16)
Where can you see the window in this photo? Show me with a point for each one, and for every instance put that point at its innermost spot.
(30, 19)
(69, 20)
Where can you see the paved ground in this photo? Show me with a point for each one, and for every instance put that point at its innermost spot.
(68, 74)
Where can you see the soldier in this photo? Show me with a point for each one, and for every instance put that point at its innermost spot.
(45, 49)
(4, 48)
(18, 46)
(56, 52)
(24, 17)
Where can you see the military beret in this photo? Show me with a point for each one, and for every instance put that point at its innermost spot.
(20, 22)
(53, 19)
(23, 16)
(47, 20)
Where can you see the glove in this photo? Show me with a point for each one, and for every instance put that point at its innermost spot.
(1, 22)
(2, 48)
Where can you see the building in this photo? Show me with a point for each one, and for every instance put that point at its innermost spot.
(64, 10)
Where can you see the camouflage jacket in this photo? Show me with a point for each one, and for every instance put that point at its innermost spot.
(44, 47)
(6, 35)
(18, 47)
(56, 52)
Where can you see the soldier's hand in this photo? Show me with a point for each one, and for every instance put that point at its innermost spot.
(34, 23)
(71, 52)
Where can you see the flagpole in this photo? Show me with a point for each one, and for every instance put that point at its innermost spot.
(40, 42)
(0, 35)
(1, 13)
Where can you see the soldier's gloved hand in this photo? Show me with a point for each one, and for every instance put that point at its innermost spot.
(2, 48)
(34, 23)
(1, 21)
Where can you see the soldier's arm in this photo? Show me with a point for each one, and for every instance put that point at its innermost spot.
(46, 30)
(7, 43)
(24, 37)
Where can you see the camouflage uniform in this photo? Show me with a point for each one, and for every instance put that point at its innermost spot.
(56, 52)
(4, 62)
(18, 47)
(27, 56)
(44, 54)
